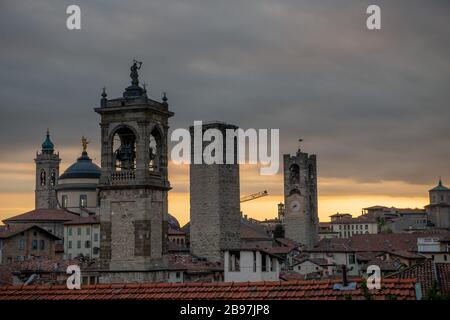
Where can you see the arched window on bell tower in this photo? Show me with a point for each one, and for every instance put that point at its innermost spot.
(155, 151)
(294, 174)
(53, 178)
(43, 177)
(124, 149)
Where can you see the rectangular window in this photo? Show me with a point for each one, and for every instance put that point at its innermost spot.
(263, 262)
(273, 266)
(70, 231)
(351, 258)
(83, 201)
(254, 261)
(88, 231)
(234, 261)
(34, 245)
(64, 201)
(69, 244)
(367, 227)
(21, 244)
(42, 244)
(87, 244)
(79, 244)
(79, 231)
(95, 237)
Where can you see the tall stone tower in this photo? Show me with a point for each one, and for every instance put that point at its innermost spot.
(214, 201)
(300, 197)
(47, 173)
(133, 184)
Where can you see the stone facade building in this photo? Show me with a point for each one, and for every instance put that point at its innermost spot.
(214, 201)
(300, 197)
(133, 184)
(82, 237)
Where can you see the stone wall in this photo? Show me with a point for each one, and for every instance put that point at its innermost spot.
(301, 227)
(214, 204)
(131, 222)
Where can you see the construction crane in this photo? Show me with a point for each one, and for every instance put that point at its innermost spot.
(254, 196)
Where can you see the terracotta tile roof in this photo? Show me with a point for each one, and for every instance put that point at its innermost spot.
(84, 220)
(443, 274)
(317, 261)
(190, 263)
(9, 231)
(361, 219)
(402, 289)
(280, 250)
(424, 273)
(42, 215)
(252, 232)
(395, 242)
(287, 242)
(385, 265)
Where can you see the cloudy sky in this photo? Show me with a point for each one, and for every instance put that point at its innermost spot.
(373, 105)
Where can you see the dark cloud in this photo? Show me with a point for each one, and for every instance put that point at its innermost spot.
(374, 105)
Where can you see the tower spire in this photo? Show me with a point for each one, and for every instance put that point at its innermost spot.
(47, 145)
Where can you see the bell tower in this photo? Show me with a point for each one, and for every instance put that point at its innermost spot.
(47, 173)
(300, 198)
(134, 183)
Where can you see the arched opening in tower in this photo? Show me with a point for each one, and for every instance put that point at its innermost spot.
(124, 149)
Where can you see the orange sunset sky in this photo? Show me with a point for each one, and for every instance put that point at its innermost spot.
(335, 195)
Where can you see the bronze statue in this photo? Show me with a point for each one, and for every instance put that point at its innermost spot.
(134, 72)
(84, 143)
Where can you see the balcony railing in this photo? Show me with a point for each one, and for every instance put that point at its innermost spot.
(123, 176)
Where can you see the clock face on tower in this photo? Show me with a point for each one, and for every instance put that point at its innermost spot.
(294, 205)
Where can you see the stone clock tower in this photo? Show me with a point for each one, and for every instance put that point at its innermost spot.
(300, 196)
(133, 185)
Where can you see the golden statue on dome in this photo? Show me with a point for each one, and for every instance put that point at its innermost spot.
(84, 143)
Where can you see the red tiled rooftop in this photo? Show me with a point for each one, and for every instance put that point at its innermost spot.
(399, 242)
(426, 274)
(402, 289)
(43, 215)
(9, 231)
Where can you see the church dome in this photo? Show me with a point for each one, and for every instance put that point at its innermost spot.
(84, 168)
(172, 221)
(440, 187)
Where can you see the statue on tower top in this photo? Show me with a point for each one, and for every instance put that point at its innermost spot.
(134, 90)
(134, 72)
